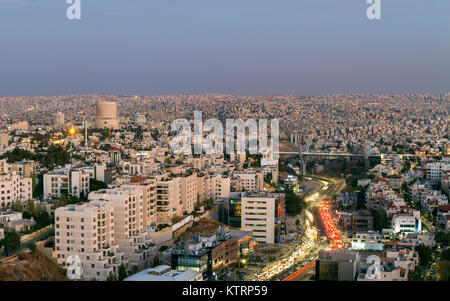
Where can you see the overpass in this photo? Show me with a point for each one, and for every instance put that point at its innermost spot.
(352, 155)
(366, 155)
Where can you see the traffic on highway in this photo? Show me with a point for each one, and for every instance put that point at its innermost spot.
(330, 228)
(305, 252)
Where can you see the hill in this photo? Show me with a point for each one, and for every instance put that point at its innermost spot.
(30, 266)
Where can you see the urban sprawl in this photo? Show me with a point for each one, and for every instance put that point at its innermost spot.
(359, 192)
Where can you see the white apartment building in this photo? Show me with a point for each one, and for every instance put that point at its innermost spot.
(97, 171)
(4, 140)
(248, 180)
(87, 231)
(24, 168)
(420, 190)
(216, 186)
(108, 230)
(14, 188)
(4, 166)
(433, 200)
(436, 170)
(273, 169)
(149, 200)
(168, 199)
(445, 182)
(260, 213)
(387, 272)
(396, 266)
(407, 223)
(347, 199)
(200, 163)
(188, 186)
(66, 180)
(129, 227)
(139, 168)
(369, 240)
(364, 182)
(9, 216)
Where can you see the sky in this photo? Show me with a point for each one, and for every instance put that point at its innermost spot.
(247, 47)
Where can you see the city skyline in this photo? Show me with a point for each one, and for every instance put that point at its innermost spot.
(236, 144)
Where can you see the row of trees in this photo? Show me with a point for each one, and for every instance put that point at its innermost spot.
(121, 275)
(53, 156)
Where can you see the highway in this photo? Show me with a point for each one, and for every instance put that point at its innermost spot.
(306, 250)
(307, 245)
(318, 199)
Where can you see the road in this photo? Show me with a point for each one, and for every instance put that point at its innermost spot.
(302, 274)
(306, 248)
(305, 267)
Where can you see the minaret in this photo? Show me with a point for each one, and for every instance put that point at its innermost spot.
(85, 134)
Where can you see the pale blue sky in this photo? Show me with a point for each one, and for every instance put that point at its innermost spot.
(229, 46)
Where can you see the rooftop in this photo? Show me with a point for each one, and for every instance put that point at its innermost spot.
(164, 273)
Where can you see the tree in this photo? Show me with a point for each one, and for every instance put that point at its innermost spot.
(62, 201)
(32, 247)
(418, 273)
(268, 178)
(435, 211)
(155, 134)
(361, 200)
(442, 238)
(111, 277)
(42, 218)
(96, 184)
(11, 242)
(16, 206)
(208, 203)
(122, 272)
(30, 207)
(294, 203)
(406, 165)
(425, 254)
(405, 186)
(55, 155)
(445, 256)
(18, 155)
(38, 190)
(380, 220)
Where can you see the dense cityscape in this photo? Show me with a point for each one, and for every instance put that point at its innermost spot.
(90, 189)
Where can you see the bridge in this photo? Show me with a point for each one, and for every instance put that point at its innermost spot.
(366, 155)
(350, 155)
